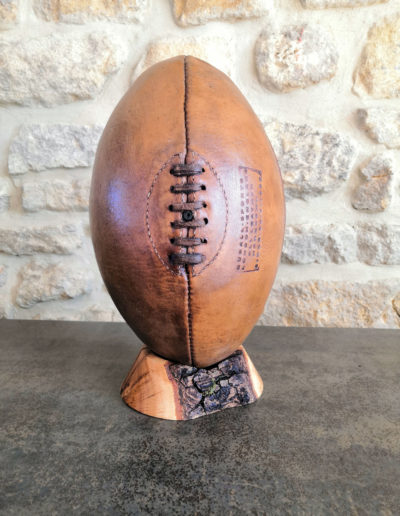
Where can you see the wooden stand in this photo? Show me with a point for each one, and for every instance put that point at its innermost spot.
(168, 390)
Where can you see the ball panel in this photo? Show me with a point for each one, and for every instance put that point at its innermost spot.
(144, 131)
(228, 298)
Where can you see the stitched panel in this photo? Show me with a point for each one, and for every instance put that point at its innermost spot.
(251, 219)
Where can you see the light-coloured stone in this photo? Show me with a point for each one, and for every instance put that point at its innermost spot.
(382, 125)
(40, 147)
(374, 193)
(396, 304)
(58, 68)
(84, 11)
(320, 243)
(65, 315)
(312, 161)
(49, 282)
(98, 313)
(198, 12)
(56, 195)
(379, 165)
(4, 309)
(9, 13)
(379, 244)
(295, 57)
(370, 243)
(63, 239)
(331, 303)
(216, 50)
(327, 4)
(310, 166)
(93, 313)
(378, 74)
(4, 194)
(3, 275)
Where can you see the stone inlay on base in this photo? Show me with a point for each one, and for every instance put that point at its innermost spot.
(168, 390)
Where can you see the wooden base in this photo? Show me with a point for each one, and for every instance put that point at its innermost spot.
(168, 390)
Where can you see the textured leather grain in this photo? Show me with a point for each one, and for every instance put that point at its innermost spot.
(148, 209)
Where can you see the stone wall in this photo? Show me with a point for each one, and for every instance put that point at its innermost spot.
(323, 76)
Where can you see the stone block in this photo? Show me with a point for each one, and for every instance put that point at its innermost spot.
(333, 303)
(58, 68)
(61, 239)
(296, 56)
(378, 243)
(312, 161)
(378, 73)
(86, 11)
(3, 275)
(41, 282)
(382, 125)
(56, 195)
(195, 12)
(320, 243)
(39, 147)
(9, 13)
(327, 4)
(374, 193)
(5, 194)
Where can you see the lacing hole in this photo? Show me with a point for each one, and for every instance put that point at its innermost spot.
(172, 240)
(170, 207)
(172, 189)
(203, 170)
(203, 187)
(171, 171)
(187, 215)
(204, 205)
(205, 221)
(204, 241)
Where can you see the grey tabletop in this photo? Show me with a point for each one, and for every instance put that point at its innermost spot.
(323, 439)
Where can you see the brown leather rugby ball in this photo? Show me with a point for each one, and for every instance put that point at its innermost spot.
(187, 211)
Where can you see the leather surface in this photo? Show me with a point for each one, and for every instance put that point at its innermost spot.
(185, 111)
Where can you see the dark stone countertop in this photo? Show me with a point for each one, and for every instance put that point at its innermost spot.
(323, 439)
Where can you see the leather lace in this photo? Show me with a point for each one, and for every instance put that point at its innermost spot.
(188, 219)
